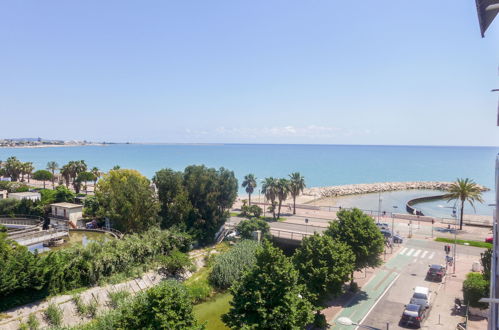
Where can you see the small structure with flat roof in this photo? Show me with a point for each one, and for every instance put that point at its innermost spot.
(67, 211)
(31, 195)
(3, 194)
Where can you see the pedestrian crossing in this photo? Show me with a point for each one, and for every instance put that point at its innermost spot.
(415, 253)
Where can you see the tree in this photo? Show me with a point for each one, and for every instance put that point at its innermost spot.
(486, 261)
(282, 193)
(475, 287)
(42, 175)
(28, 169)
(464, 190)
(324, 265)
(360, 233)
(296, 186)
(90, 206)
(63, 194)
(269, 295)
(85, 177)
(13, 168)
(97, 174)
(126, 198)
(246, 228)
(269, 189)
(52, 167)
(249, 183)
(66, 174)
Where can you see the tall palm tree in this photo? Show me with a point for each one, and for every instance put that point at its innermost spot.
(66, 174)
(28, 168)
(464, 190)
(282, 193)
(269, 189)
(97, 173)
(250, 184)
(52, 167)
(296, 186)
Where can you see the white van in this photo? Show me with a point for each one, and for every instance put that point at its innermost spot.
(421, 296)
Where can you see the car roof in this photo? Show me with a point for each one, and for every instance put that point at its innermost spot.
(421, 289)
(412, 307)
(435, 266)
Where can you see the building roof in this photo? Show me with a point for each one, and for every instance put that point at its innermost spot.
(67, 205)
(25, 193)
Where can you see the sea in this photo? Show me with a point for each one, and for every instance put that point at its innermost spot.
(321, 165)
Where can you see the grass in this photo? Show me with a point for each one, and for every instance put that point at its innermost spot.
(211, 311)
(479, 244)
(117, 298)
(53, 315)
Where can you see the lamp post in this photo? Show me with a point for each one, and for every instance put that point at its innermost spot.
(379, 204)
(346, 321)
(455, 240)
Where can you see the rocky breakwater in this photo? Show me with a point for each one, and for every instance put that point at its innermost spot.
(365, 188)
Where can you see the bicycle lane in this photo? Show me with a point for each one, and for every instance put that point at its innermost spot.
(364, 301)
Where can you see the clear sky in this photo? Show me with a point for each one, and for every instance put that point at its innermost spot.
(260, 71)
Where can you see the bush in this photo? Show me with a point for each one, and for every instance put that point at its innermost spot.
(320, 321)
(53, 315)
(85, 309)
(117, 298)
(475, 287)
(199, 291)
(247, 227)
(174, 263)
(229, 266)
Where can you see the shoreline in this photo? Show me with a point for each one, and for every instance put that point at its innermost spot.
(56, 146)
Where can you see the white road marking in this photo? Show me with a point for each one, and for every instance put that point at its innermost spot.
(403, 251)
(424, 254)
(431, 255)
(416, 253)
(410, 252)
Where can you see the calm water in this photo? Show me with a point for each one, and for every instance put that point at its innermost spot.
(322, 165)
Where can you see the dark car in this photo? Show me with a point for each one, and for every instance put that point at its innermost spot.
(413, 315)
(386, 233)
(398, 239)
(435, 272)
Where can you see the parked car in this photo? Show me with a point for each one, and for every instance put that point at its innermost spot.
(489, 239)
(386, 233)
(413, 315)
(382, 225)
(435, 272)
(421, 296)
(398, 239)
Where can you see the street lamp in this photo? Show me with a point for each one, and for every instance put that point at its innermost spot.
(379, 204)
(346, 321)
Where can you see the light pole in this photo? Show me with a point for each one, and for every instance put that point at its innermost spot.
(455, 241)
(346, 321)
(379, 204)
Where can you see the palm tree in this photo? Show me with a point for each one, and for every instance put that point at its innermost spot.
(465, 190)
(269, 189)
(66, 174)
(296, 186)
(96, 172)
(282, 193)
(250, 184)
(29, 168)
(52, 167)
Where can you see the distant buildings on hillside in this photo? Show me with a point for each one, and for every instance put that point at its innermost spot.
(38, 142)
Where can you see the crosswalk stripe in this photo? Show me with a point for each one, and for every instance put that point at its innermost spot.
(424, 254)
(431, 255)
(403, 251)
(416, 253)
(410, 252)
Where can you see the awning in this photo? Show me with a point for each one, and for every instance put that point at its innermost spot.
(487, 11)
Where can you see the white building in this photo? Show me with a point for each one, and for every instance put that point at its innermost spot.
(34, 196)
(67, 211)
(3, 194)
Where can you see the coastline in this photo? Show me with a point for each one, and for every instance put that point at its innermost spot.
(56, 146)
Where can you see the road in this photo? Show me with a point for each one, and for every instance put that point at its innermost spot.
(383, 298)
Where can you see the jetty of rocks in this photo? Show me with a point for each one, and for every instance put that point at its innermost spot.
(365, 188)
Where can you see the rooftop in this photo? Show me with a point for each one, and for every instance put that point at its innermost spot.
(25, 193)
(67, 205)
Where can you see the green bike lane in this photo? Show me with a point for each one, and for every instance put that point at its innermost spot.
(361, 304)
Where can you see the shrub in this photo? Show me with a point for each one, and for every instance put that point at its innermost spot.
(85, 309)
(33, 322)
(475, 287)
(117, 298)
(199, 291)
(174, 263)
(247, 227)
(229, 266)
(53, 315)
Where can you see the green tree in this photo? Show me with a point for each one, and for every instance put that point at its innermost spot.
(324, 265)
(85, 177)
(52, 167)
(28, 169)
(91, 206)
(282, 193)
(269, 189)
(246, 228)
(126, 198)
(13, 168)
(97, 174)
(42, 175)
(475, 287)
(66, 174)
(360, 233)
(165, 306)
(486, 261)
(296, 186)
(269, 295)
(63, 194)
(464, 190)
(249, 183)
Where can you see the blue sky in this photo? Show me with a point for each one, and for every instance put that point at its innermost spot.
(335, 72)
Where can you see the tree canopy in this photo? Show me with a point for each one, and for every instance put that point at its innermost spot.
(42, 175)
(126, 198)
(269, 295)
(464, 190)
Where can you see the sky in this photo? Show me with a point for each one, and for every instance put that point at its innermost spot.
(260, 71)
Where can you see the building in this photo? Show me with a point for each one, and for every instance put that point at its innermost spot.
(3, 194)
(66, 212)
(34, 196)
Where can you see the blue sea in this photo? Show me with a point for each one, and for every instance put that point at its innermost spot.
(321, 165)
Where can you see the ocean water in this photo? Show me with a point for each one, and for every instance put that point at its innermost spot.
(321, 165)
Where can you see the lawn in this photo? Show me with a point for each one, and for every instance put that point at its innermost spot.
(211, 311)
(480, 244)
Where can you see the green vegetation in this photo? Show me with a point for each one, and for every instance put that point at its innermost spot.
(196, 200)
(296, 186)
(53, 315)
(229, 266)
(464, 190)
(125, 197)
(85, 309)
(246, 228)
(174, 263)
(42, 175)
(475, 287)
(31, 323)
(358, 231)
(324, 265)
(117, 298)
(269, 295)
(250, 211)
(249, 183)
(52, 167)
(210, 312)
(480, 244)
